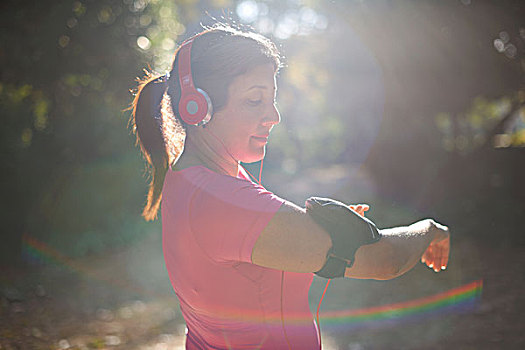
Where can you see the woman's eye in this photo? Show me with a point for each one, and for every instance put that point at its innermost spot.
(254, 103)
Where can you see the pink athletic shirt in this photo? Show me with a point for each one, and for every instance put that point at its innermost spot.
(210, 223)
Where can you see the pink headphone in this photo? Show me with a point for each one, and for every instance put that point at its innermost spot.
(194, 105)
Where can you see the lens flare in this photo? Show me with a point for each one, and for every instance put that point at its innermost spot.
(39, 252)
(462, 298)
(458, 299)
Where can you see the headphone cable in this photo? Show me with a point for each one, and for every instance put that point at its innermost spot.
(282, 280)
(317, 314)
(282, 272)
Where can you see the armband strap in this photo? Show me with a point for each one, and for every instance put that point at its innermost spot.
(347, 229)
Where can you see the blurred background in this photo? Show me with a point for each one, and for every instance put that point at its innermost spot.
(414, 107)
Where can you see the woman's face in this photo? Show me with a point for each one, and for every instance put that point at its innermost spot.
(244, 124)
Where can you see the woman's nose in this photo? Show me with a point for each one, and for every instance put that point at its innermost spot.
(273, 117)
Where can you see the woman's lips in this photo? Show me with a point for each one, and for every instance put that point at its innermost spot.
(261, 139)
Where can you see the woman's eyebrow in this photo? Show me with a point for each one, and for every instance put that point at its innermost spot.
(257, 87)
(262, 87)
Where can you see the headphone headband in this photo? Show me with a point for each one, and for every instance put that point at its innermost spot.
(185, 78)
(195, 106)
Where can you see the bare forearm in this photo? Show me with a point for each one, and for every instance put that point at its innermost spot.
(398, 251)
(409, 243)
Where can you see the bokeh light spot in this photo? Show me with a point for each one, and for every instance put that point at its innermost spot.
(78, 8)
(145, 20)
(511, 51)
(41, 107)
(112, 340)
(72, 22)
(153, 31)
(179, 28)
(504, 36)
(143, 43)
(248, 11)
(165, 12)
(105, 15)
(138, 6)
(168, 44)
(287, 26)
(63, 41)
(265, 25)
(27, 136)
(499, 45)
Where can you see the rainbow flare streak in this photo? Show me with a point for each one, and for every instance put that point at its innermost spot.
(458, 299)
(38, 252)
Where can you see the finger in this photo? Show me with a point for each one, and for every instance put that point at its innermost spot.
(429, 257)
(430, 263)
(444, 258)
(424, 257)
(446, 252)
(439, 256)
(432, 258)
(435, 257)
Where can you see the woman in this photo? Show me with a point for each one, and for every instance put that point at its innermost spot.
(240, 259)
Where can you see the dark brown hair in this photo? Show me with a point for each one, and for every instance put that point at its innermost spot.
(219, 54)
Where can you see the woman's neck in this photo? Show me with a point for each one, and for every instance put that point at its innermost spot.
(209, 153)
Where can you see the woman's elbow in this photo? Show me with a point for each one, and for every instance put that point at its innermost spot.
(313, 258)
(387, 271)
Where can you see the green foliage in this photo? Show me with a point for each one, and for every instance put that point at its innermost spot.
(75, 178)
(473, 129)
(91, 208)
(97, 344)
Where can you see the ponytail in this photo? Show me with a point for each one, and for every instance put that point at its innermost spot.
(146, 121)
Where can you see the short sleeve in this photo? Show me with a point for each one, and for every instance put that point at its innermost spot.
(227, 216)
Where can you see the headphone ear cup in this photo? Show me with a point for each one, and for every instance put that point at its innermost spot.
(195, 107)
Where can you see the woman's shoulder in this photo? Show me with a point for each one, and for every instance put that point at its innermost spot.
(188, 166)
(192, 175)
(202, 177)
(206, 183)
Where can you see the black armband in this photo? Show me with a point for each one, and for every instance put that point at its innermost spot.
(348, 231)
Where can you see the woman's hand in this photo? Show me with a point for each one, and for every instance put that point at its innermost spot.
(437, 253)
(359, 208)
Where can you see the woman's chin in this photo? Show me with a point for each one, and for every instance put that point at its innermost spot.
(255, 155)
